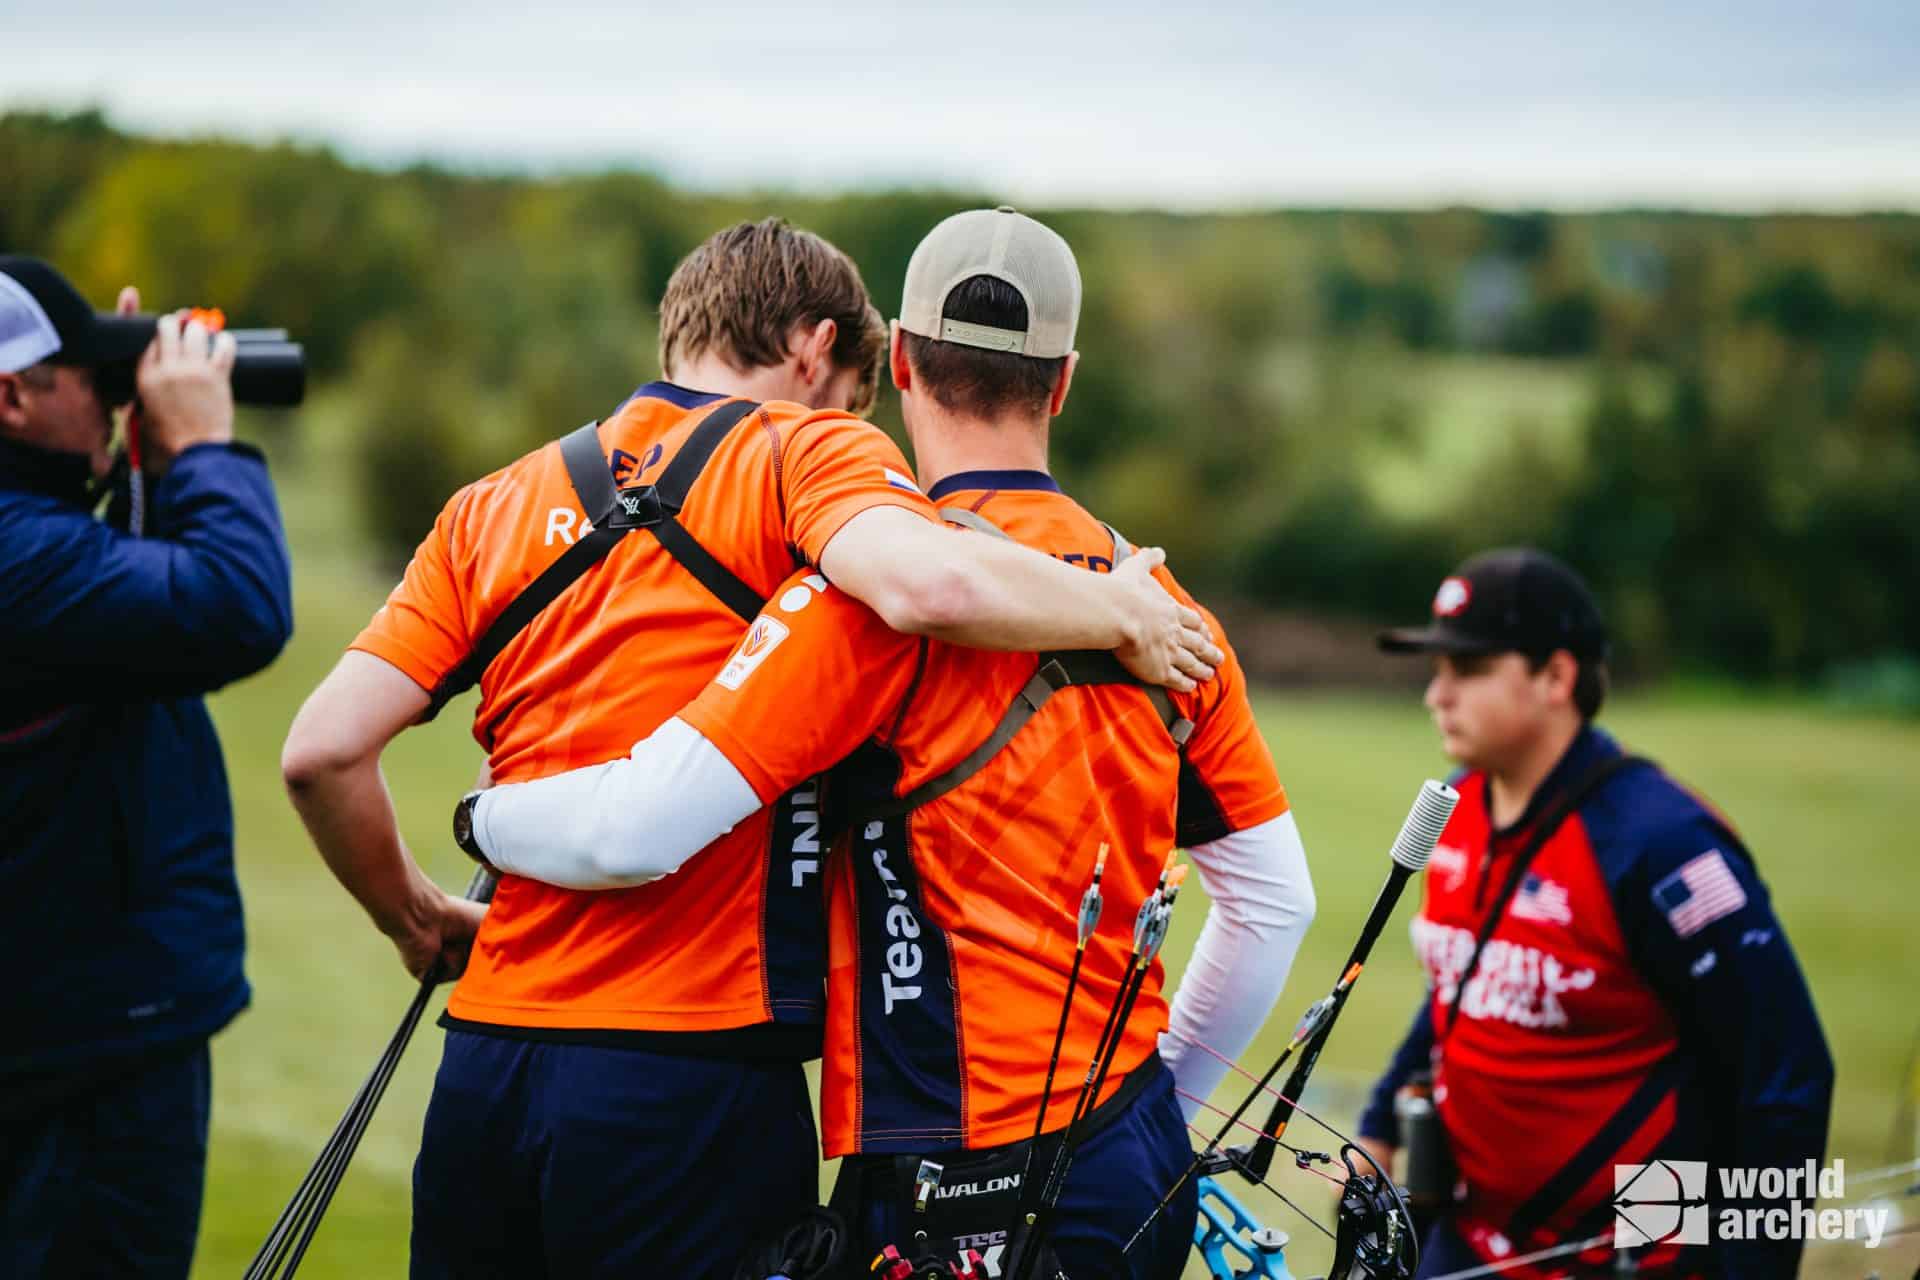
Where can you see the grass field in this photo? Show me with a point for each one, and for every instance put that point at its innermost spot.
(1823, 799)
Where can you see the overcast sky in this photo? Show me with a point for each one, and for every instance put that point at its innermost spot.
(1753, 104)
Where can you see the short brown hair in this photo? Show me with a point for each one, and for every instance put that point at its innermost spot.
(742, 293)
(976, 381)
(1590, 684)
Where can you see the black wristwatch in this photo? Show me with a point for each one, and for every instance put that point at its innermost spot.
(463, 829)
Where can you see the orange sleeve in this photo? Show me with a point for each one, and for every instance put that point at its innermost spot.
(834, 467)
(816, 675)
(1227, 778)
(422, 628)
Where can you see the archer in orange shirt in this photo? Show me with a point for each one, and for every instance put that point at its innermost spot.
(975, 790)
(610, 1054)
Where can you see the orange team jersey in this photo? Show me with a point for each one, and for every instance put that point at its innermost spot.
(953, 929)
(609, 661)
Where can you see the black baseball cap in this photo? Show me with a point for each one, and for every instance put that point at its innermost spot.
(1514, 600)
(43, 317)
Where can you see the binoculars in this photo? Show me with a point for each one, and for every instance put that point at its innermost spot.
(269, 371)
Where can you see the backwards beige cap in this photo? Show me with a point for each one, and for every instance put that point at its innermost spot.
(1009, 246)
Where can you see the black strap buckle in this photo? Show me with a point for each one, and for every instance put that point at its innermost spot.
(638, 508)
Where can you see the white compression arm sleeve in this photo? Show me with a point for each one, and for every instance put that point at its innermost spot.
(609, 826)
(1262, 903)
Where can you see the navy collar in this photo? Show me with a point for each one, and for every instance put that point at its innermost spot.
(1011, 479)
(675, 394)
(1589, 747)
(66, 476)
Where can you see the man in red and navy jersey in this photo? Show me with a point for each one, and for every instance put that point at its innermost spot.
(1636, 998)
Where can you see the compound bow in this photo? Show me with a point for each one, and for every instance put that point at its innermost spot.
(1374, 1235)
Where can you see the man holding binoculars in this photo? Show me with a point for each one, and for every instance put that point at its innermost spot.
(122, 936)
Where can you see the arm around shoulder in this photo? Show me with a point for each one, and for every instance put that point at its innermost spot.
(990, 593)
(619, 824)
(903, 567)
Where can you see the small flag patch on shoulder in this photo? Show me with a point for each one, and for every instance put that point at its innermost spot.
(1702, 891)
(899, 481)
(762, 639)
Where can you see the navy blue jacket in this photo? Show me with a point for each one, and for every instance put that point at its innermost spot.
(1743, 1077)
(122, 930)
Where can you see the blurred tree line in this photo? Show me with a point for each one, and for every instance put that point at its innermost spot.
(1716, 418)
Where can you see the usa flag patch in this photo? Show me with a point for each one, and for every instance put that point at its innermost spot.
(1702, 891)
(1542, 899)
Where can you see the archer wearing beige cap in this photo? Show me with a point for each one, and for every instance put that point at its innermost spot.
(985, 340)
(983, 356)
(1001, 244)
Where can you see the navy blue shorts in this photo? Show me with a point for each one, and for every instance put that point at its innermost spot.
(1443, 1251)
(572, 1160)
(1117, 1177)
(107, 1181)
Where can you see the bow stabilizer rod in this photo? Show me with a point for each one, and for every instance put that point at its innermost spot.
(1432, 807)
(1411, 849)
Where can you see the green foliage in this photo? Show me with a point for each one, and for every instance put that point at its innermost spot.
(59, 158)
(1716, 418)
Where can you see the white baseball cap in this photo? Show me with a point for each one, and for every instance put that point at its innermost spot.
(43, 317)
(1009, 246)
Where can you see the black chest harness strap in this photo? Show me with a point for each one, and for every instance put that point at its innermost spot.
(1059, 670)
(614, 513)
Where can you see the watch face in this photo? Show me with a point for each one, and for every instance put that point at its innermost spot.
(463, 822)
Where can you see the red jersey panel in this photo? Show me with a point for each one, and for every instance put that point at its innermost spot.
(1557, 1030)
(606, 664)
